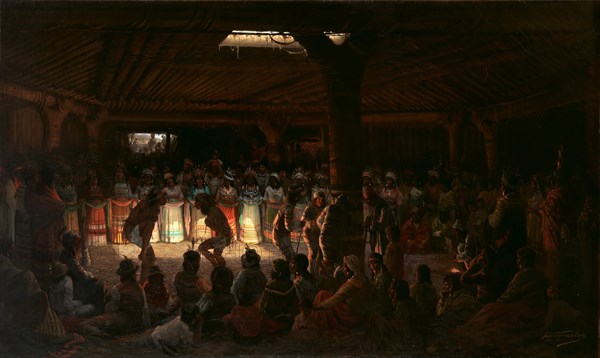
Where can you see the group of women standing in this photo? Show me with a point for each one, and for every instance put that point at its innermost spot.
(249, 200)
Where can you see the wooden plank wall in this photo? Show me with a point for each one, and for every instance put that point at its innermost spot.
(401, 147)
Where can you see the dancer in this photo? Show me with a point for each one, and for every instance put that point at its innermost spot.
(217, 222)
(139, 226)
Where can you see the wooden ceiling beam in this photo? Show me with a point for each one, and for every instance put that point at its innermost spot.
(416, 17)
(238, 118)
(538, 103)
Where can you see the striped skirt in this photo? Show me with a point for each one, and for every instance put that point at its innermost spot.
(117, 222)
(198, 229)
(72, 221)
(96, 226)
(230, 215)
(171, 223)
(250, 226)
(270, 214)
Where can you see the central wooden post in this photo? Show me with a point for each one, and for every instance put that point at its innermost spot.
(345, 137)
(488, 126)
(343, 67)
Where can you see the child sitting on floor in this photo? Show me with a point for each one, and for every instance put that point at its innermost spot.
(61, 294)
(245, 318)
(181, 332)
(305, 326)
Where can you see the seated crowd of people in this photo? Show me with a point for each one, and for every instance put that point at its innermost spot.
(498, 296)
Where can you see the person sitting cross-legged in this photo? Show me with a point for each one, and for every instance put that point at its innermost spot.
(61, 294)
(181, 332)
(245, 318)
(251, 280)
(279, 301)
(157, 294)
(127, 310)
(347, 308)
(218, 302)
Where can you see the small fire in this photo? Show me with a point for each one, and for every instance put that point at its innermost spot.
(454, 270)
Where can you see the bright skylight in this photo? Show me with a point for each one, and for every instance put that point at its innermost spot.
(273, 39)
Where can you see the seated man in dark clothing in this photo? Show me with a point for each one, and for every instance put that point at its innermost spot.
(188, 285)
(518, 315)
(456, 305)
(24, 307)
(279, 301)
(86, 288)
(127, 310)
(218, 302)
(251, 279)
(157, 294)
(381, 280)
(406, 311)
(482, 276)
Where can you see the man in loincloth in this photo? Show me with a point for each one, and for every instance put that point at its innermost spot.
(139, 226)
(217, 222)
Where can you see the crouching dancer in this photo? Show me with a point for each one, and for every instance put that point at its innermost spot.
(139, 226)
(217, 222)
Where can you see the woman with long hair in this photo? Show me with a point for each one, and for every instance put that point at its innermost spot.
(95, 222)
(274, 199)
(250, 223)
(120, 205)
(171, 217)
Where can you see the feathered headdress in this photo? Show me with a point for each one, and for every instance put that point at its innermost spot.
(298, 173)
(367, 173)
(229, 174)
(390, 175)
(433, 173)
(250, 172)
(321, 176)
(147, 172)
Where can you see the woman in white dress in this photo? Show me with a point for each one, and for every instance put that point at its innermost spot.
(250, 223)
(274, 198)
(392, 196)
(120, 205)
(171, 216)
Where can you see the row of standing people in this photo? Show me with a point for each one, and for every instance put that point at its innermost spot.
(249, 208)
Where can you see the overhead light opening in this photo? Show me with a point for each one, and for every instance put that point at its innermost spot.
(263, 39)
(281, 40)
(338, 38)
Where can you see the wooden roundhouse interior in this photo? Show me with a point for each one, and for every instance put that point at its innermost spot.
(476, 86)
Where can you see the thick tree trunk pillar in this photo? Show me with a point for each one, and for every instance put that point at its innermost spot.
(274, 153)
(454, 126)
(343, 68)
(54, 120)
(93, 126)
(93, 132)
(488, 126)
(273, 129)
(345, 136)
(593, 120)
(452, 129)
(491, 154)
